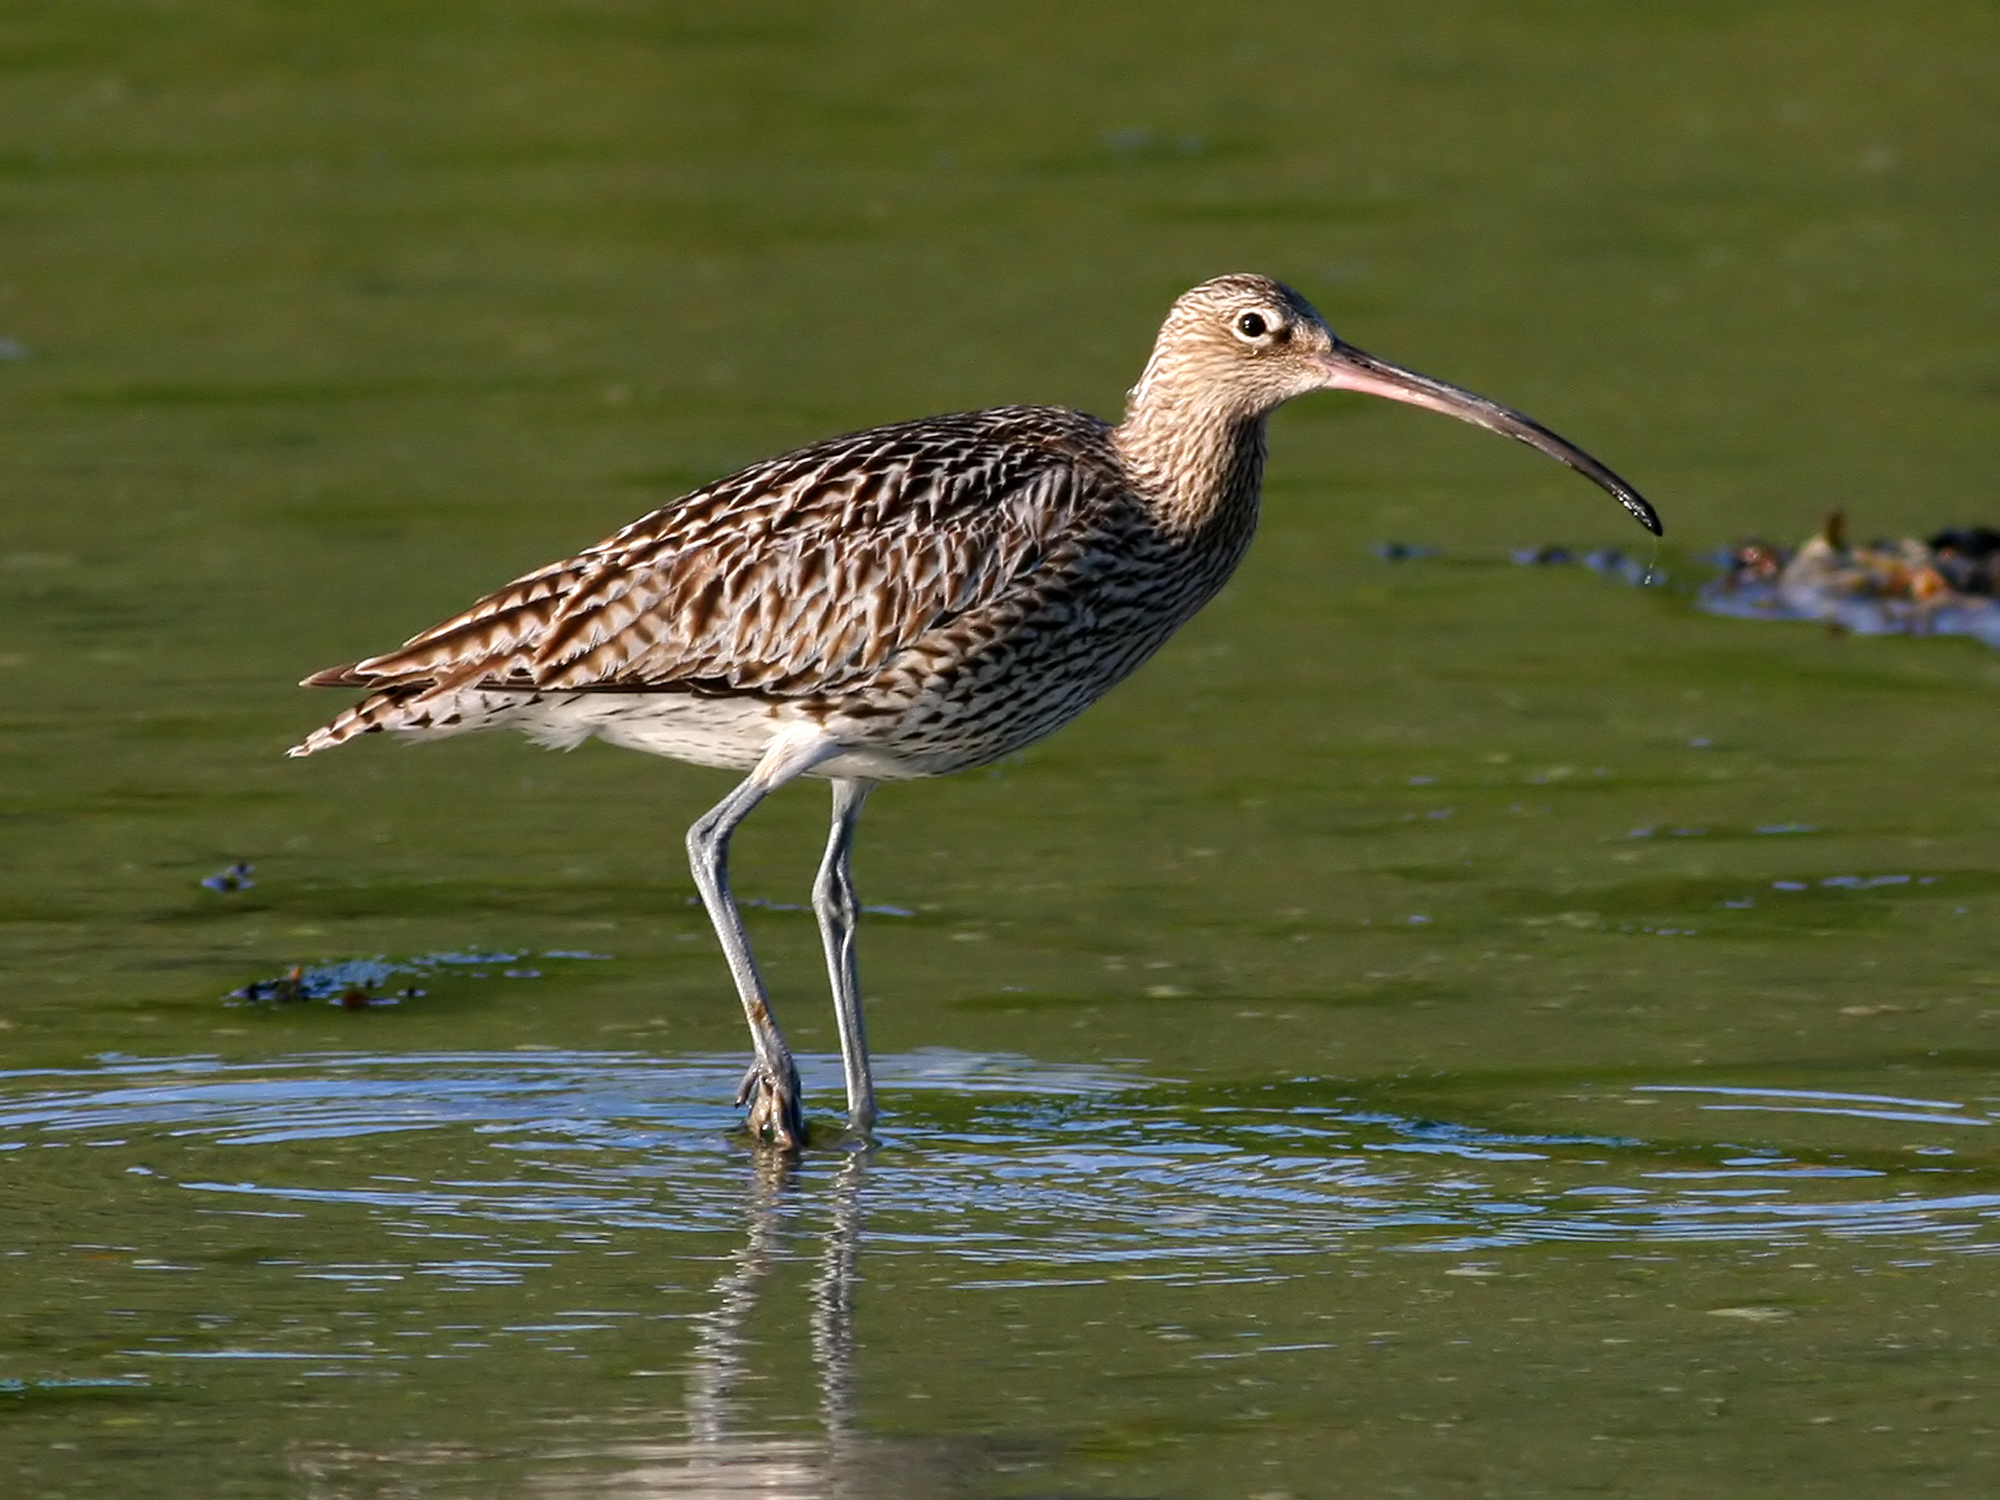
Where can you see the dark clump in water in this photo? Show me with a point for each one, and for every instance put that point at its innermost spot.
(354, 985)
(1607, 562)
(1969, 558)
(357, 983)
(1945, 586)
(1397, 552)
(235, 878)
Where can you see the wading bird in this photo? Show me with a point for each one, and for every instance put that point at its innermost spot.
(916, 599)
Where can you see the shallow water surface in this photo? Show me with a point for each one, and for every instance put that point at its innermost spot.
(1444, 1028)
(647, 1303)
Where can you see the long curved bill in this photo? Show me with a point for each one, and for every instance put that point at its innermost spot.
(1346, 368)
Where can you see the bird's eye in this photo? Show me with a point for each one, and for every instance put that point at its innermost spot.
(1252, 325)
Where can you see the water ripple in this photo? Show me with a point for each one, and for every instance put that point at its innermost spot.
(995, 1161)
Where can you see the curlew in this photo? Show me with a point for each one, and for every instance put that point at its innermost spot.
(904, 602)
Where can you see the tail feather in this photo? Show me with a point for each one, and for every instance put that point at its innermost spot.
(345, 676)
(389, 709)
(428, 703)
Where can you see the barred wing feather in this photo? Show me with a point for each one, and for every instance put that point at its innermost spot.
(795, 576)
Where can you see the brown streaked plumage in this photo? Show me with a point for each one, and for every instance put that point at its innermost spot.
(903, 602)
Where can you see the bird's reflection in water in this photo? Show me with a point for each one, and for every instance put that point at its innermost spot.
(721, 1358)
(833, 1302)
(722, 1443)
(725, 1452)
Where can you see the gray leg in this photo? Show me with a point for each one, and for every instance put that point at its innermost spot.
(839, 911)
(771, 1088)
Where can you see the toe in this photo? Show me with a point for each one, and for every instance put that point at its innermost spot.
(775, 1112)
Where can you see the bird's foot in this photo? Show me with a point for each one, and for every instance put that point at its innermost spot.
(776, 1111)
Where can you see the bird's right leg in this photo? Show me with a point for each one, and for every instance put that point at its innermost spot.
(771, 1087)
(839, 910)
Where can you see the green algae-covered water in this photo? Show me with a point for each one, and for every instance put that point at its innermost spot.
(1445, 1028)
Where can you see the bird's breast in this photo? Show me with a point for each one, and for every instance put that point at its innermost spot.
(989, 681)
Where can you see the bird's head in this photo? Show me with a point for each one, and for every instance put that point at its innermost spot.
(1239, 347)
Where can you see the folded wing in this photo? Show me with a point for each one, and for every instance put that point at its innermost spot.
(794, 577)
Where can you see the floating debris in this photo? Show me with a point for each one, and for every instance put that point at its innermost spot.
(15, 1386)
(1853, 882)
(235, 878)
(1607, 562)
(1397, 552)
(1545, 556)
(354, 985)
(359, 983)
(1969, 558)
(1650, 830)
(1949, 585)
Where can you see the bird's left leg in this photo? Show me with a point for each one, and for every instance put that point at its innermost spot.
(838, 908)
(771, 1088)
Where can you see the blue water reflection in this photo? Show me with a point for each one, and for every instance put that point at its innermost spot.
(996, 1162)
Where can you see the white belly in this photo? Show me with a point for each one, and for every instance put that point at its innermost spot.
(730, 734)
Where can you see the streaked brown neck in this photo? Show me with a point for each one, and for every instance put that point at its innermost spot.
(1198, 461)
